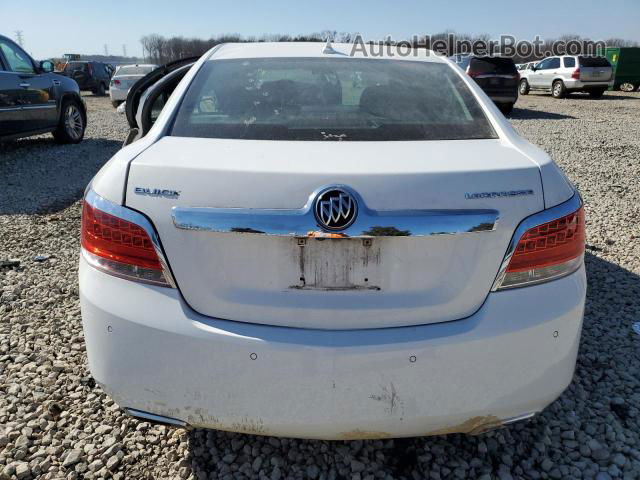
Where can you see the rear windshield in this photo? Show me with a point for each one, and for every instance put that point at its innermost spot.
(497, 65)
(76, 66)
(330, 99)
(594, 62)
(135, 70)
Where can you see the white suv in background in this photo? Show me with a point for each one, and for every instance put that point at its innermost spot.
(567, 74)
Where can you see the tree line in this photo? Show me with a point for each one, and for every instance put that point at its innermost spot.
(160, 50)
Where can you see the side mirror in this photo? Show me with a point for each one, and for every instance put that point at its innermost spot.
(47, 66)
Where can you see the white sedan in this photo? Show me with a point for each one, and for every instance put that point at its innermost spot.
(124, 78)
(314, 242)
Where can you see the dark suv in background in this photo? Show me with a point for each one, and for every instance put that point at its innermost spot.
(497, 76)
(93, 76)
(34, 100)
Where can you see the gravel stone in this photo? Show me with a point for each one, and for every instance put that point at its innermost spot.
(56, 423)
(73, 457)
(22, 471)
(113, 462)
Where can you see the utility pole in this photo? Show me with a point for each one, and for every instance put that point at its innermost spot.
(124, 50)
(106, 50)
(19, 37)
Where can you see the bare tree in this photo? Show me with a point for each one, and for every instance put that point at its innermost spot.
(161, 50)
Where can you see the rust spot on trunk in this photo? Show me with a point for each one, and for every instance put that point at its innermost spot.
(473, 426)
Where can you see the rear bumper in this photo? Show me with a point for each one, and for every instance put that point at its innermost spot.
(152, 353)
(117, 94)
(580, 85)
(504, 98)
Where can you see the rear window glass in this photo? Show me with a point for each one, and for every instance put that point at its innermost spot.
(135, 70)
(76, 67)
(594, 62)
(330, 99)
(497, 65)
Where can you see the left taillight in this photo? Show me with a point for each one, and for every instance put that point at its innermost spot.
(545, 251)
(121, 242)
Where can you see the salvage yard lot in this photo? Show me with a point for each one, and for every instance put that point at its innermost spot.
(55, 422)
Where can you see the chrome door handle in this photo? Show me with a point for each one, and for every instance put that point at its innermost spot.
(25, 85)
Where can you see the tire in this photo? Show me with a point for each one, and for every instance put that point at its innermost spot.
(72, 123)
(628, 87)
(505, 108)
(116, 103)
(558, 89)
(100, 91)
(597, 93)
(524, 87)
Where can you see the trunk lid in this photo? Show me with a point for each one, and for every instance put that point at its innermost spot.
(595, 69)
(127, 81)
(389, 280)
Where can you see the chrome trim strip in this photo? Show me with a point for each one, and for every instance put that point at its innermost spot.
(302, 222)
(38, 107)
(519, 418)
(96, 201)
(570, 206)
(152, 417)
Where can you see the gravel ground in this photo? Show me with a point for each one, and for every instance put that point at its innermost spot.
(56, 423)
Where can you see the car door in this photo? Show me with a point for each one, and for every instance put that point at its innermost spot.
(37, 94)
(11, 122)
(140, 94)
(153, 101)
(550, 72)
(537, 75)
(142, 85)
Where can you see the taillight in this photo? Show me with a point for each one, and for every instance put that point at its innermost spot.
(473, 74)
(576, 74)
(121, 242)
(545, 251)
(116, 82)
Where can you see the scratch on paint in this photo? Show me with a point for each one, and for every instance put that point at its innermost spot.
(389, 396)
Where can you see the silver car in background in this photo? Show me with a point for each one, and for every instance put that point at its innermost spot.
(566, 74)
(123, 80)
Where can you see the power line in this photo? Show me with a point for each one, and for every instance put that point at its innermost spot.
(19, 37)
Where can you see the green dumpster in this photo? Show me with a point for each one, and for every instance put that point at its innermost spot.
(626, 67)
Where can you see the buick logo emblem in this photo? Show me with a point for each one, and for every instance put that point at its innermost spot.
(335, 209)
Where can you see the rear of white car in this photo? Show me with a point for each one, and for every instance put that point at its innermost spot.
(315, 245)
(124, 78)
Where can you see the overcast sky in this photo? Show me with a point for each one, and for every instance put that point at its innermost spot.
(79, 26)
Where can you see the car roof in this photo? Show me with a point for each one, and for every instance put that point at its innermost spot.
(317, 49)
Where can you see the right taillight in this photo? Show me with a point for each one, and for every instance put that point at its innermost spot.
(576, 74)
(121, 242)
(546, 251)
